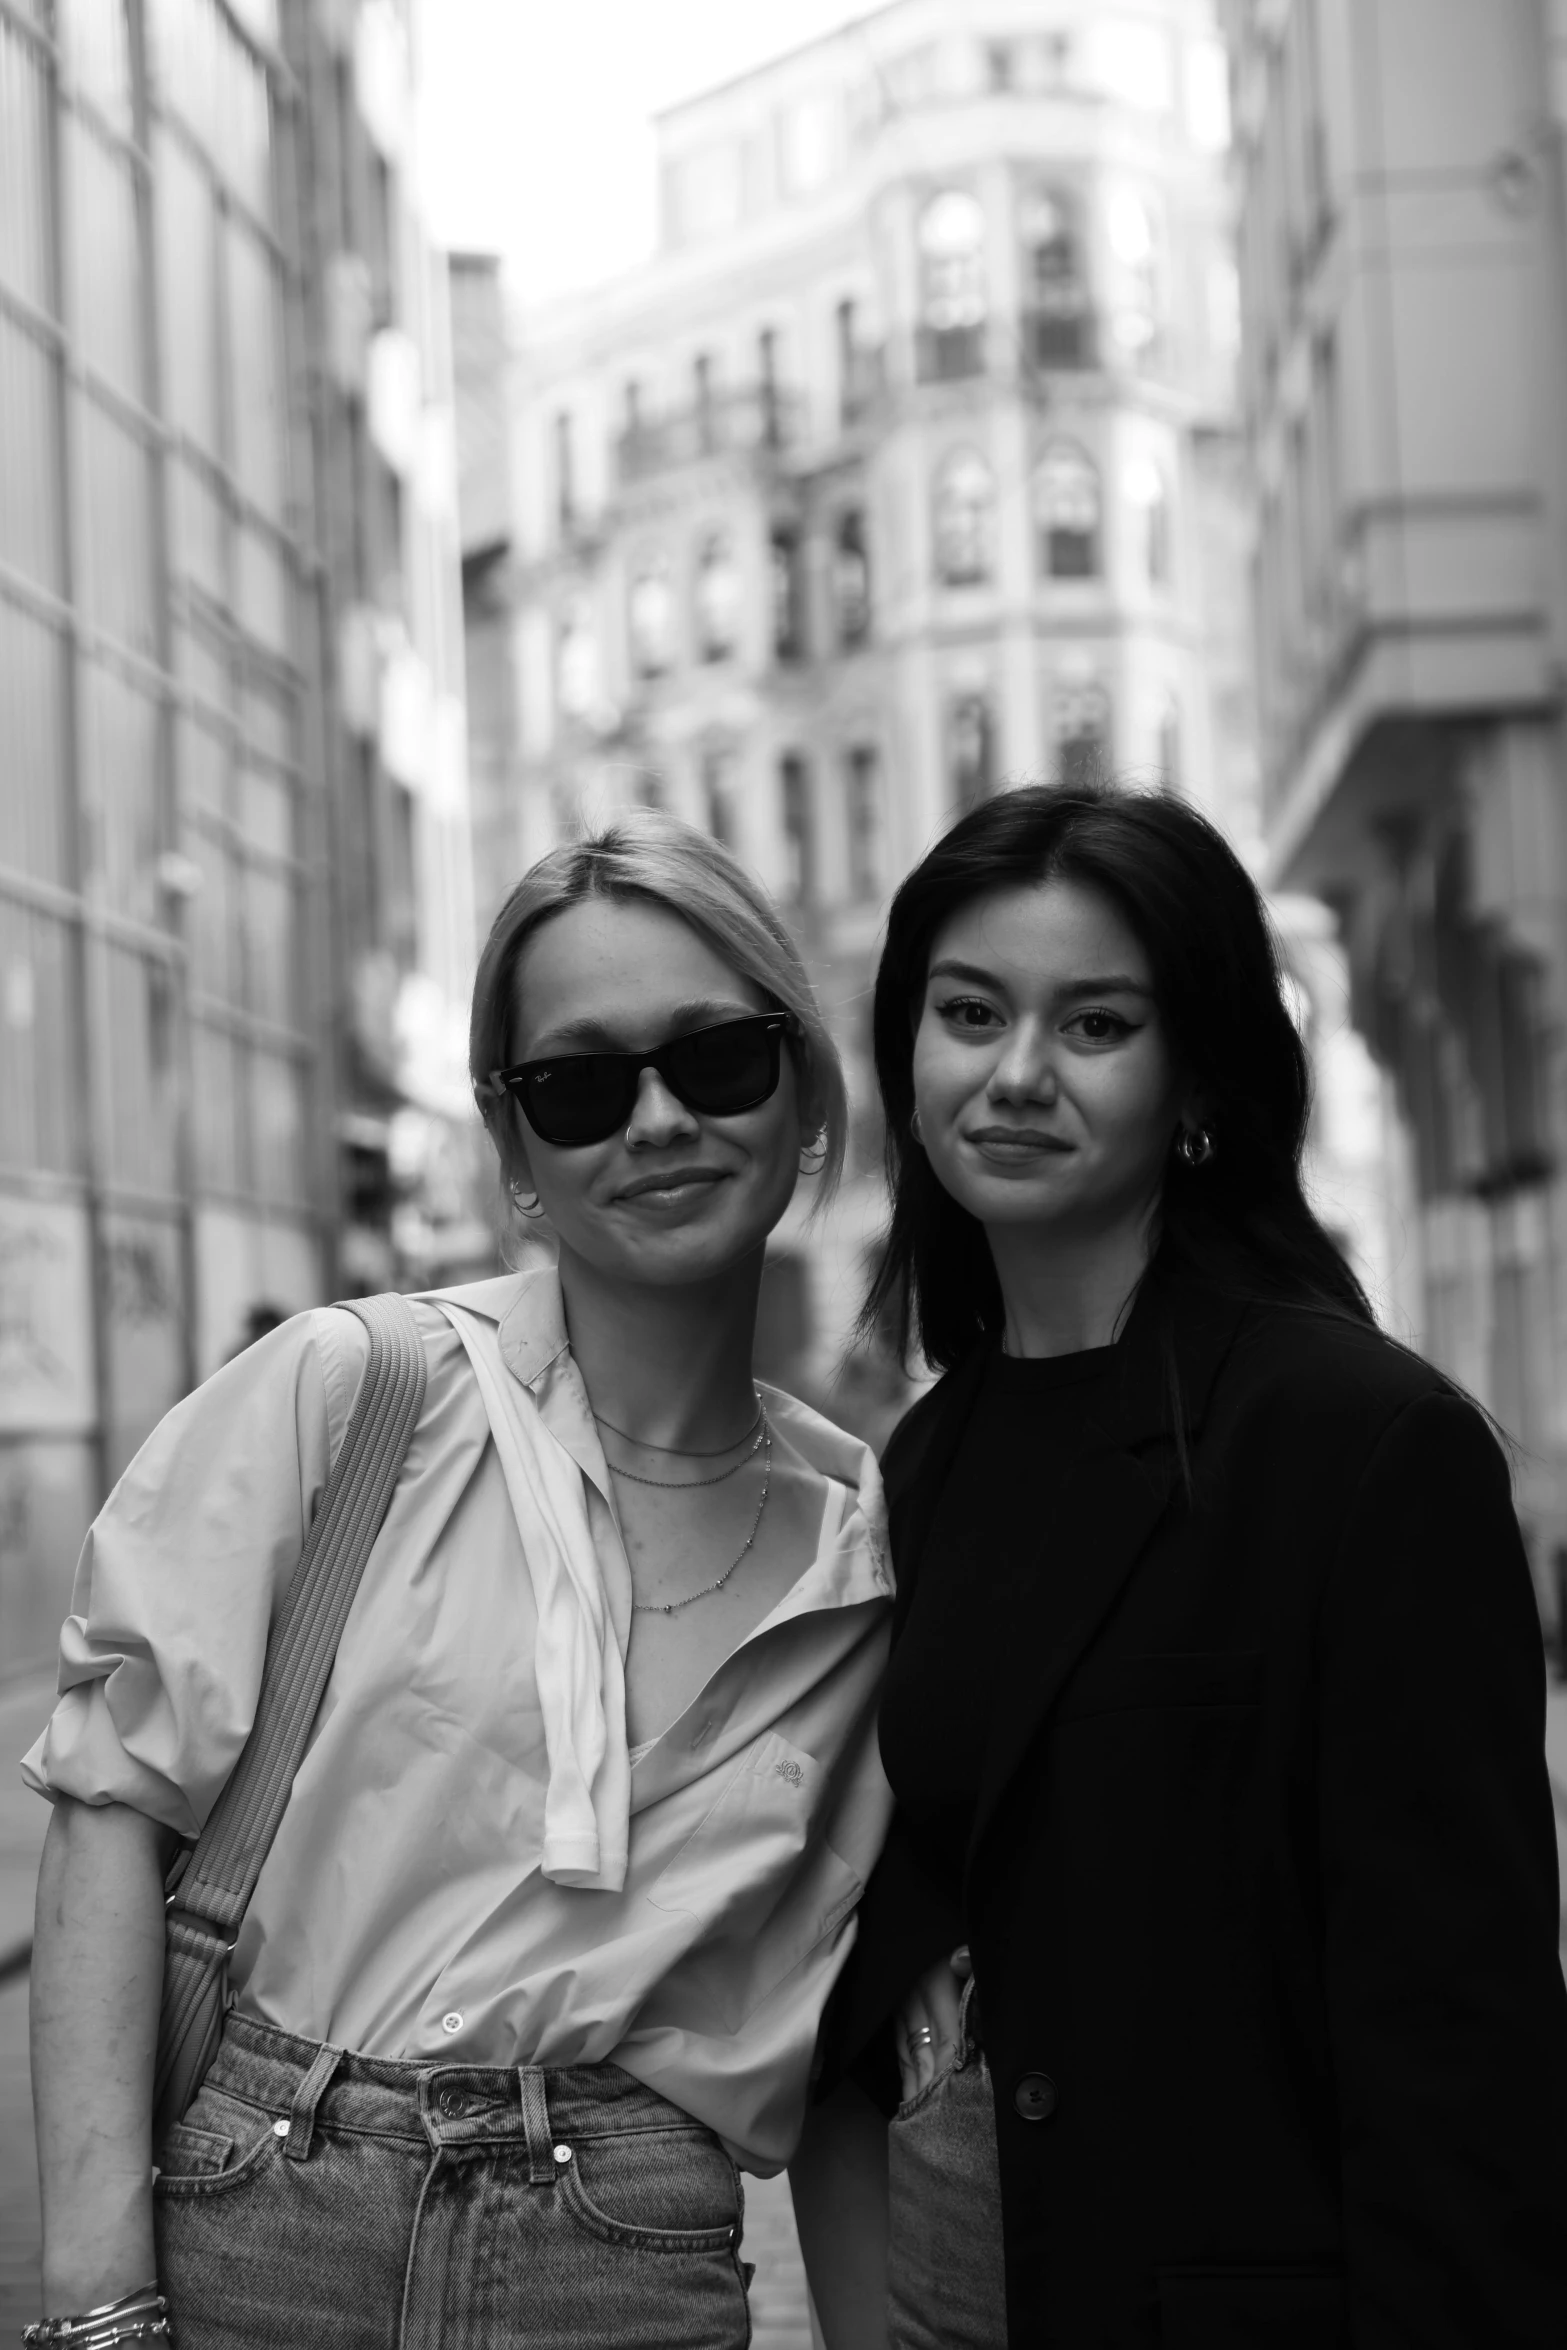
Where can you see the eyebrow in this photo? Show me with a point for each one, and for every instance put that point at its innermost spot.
(593, 1036)
(1106, 983)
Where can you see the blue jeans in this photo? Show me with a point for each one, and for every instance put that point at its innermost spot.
(946, 2285)
(315, 2198)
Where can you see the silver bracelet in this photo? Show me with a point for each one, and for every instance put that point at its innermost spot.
(135, 2317)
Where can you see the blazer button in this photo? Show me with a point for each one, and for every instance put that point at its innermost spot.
(1035, 2096)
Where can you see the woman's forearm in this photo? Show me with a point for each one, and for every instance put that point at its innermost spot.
(838, 2179)
(97, 1982)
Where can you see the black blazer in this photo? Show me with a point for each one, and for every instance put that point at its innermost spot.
(1262, 1892)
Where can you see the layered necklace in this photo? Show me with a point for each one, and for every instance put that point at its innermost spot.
(761, 1435)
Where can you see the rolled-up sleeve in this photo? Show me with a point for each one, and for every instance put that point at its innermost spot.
(161, 1656)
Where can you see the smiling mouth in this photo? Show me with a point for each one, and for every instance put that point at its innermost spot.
(674, 1179)
(1016, 1142)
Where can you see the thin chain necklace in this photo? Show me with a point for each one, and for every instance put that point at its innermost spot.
(687, 1484)
(686, 1452)
(645, 1607)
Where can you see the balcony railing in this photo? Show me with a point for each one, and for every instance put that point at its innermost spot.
(755, 419)
(946, 354)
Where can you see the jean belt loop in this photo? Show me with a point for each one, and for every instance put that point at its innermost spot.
(536, 2125)
(302, 2112)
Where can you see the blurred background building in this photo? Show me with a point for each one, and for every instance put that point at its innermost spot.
(907, 468)
(1404, 274)
(235, 884)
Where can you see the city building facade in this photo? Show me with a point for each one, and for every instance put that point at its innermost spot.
(235, 884)
(906, 469)
(1404, 294)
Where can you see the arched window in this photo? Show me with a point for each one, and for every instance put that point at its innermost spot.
(1067, 512)
(717, 598)
(952, 286)
(1148, 496)
(971, 750)
(1082, 731)
(651, 614)
(1136, 235)
(851, 579)
(576, 660)
(718, 792)
(964, 518)
(1055, 298)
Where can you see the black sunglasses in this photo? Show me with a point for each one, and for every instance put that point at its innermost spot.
(577, 1098)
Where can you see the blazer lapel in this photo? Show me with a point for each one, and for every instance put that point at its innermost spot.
(912, 1496)
(1099, 1526)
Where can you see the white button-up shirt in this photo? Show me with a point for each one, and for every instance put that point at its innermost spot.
(402, 1911)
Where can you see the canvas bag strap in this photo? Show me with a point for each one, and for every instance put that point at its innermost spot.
(215, 1888)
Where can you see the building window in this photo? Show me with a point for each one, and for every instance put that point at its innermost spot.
(971, 750)
(652, 618)
(1057, 324)
(1001, 64)
(858, 366)
(964, 519)
(767, 382)
(717, 598)
(788, 593)
(1067, 512)
(718, 795)
(565, 478)
(1170, 745)
(705, 398)
(1149, 499)
(1137, 311)
(576, 663)
(1082, 732)
(952, 287)
(794, 792)
(851, 579)
(867, 857)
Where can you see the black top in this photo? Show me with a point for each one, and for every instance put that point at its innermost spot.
(989, 1545)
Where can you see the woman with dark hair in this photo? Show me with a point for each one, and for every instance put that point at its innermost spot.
(1214, 1950)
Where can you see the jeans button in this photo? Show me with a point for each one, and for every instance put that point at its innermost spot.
(452, 2102)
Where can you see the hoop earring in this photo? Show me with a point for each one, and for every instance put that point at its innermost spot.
(914, 1129)
(1194, 1146)
(532, 1213)
(808, 1165)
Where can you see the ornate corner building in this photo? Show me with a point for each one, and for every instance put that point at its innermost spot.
(1403, 279)
(905, 469)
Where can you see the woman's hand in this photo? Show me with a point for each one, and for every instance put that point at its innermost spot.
(927, 2025)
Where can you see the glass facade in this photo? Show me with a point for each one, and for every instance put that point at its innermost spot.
(160, 996)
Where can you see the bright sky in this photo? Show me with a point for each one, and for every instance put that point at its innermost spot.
(535, 117)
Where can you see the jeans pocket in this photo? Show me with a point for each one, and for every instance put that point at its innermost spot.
(220, 2145)
(926, 2096)
(656, 2190)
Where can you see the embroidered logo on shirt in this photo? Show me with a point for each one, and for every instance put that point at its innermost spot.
(790, 1771)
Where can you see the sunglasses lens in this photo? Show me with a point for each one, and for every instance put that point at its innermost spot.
(725, 1069)
(580, 1098)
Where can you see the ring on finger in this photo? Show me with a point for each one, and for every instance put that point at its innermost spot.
(922, 2036)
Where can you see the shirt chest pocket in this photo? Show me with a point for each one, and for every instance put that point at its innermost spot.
(761, 1878)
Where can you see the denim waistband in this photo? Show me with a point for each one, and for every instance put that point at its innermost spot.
(532, 2106)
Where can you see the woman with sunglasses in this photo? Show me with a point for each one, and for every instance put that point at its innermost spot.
(1210, 1975)
(538, 1955)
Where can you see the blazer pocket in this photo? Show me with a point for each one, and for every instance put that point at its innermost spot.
(1252, 2309)
(1190, 1677)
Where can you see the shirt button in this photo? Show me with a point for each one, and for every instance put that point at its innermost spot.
(1035, 2097)
(452, 2022)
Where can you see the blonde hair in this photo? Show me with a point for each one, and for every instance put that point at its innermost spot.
(651, 858)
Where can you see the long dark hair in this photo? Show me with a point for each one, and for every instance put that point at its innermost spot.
(1240, 1223)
